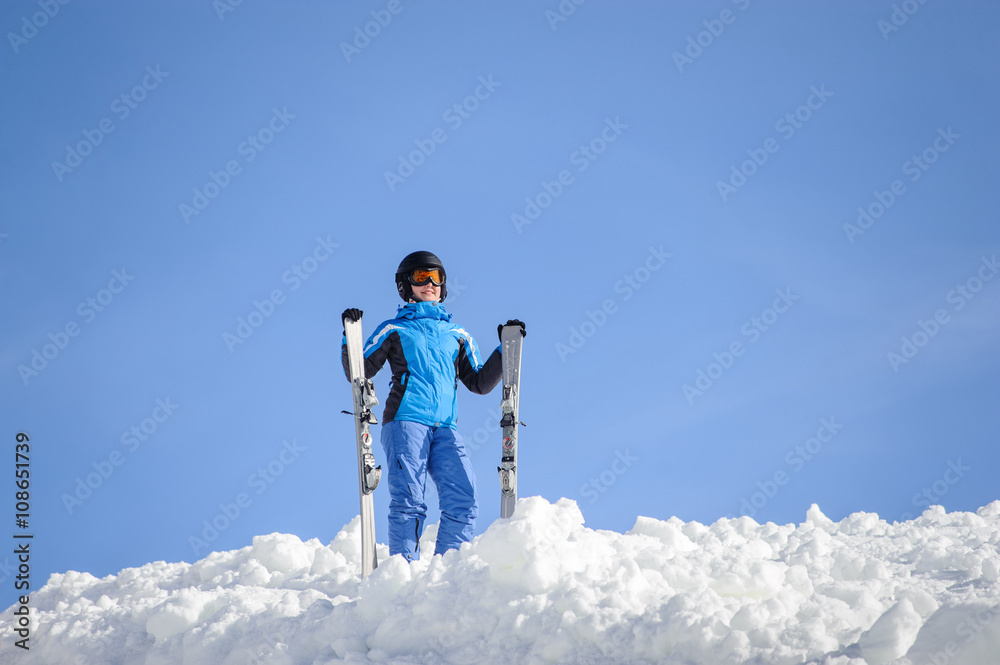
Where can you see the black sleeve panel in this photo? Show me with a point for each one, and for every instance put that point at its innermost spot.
(390, 349)
(486, 378)
(343, 358)
(377, 358)
(374, 362)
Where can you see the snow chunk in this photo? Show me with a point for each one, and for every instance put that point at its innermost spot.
(816, 517)
(990, 510)
(180, 613)
(283, 553)
(960, 633)
(529, 549)
(670, 533)
(892, 635)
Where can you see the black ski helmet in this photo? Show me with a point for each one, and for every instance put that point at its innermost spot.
(410, 263)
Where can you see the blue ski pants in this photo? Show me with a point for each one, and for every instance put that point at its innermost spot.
(413, 450)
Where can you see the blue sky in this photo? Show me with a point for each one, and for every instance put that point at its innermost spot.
(668, 195)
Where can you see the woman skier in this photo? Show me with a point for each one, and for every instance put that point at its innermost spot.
(428, 355)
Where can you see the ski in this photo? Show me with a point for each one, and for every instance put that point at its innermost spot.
(368, 474)
(510, 348)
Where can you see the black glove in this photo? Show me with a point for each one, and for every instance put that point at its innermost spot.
(512, 322)
(351, 314)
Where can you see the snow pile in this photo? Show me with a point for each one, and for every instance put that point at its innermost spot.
(542, 588)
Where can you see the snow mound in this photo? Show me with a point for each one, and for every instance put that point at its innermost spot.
(543, 588)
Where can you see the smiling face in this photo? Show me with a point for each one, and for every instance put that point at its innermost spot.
(426, 293)
(422, 284)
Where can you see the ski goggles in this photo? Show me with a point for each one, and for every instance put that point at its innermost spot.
(422, 276)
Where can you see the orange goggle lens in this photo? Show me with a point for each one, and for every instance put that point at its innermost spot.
(421, 276)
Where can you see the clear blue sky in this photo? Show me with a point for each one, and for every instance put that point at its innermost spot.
(169, 170)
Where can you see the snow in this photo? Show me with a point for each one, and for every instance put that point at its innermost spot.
(543, 588)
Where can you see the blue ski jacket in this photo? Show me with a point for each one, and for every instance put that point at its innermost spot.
(428, 355)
